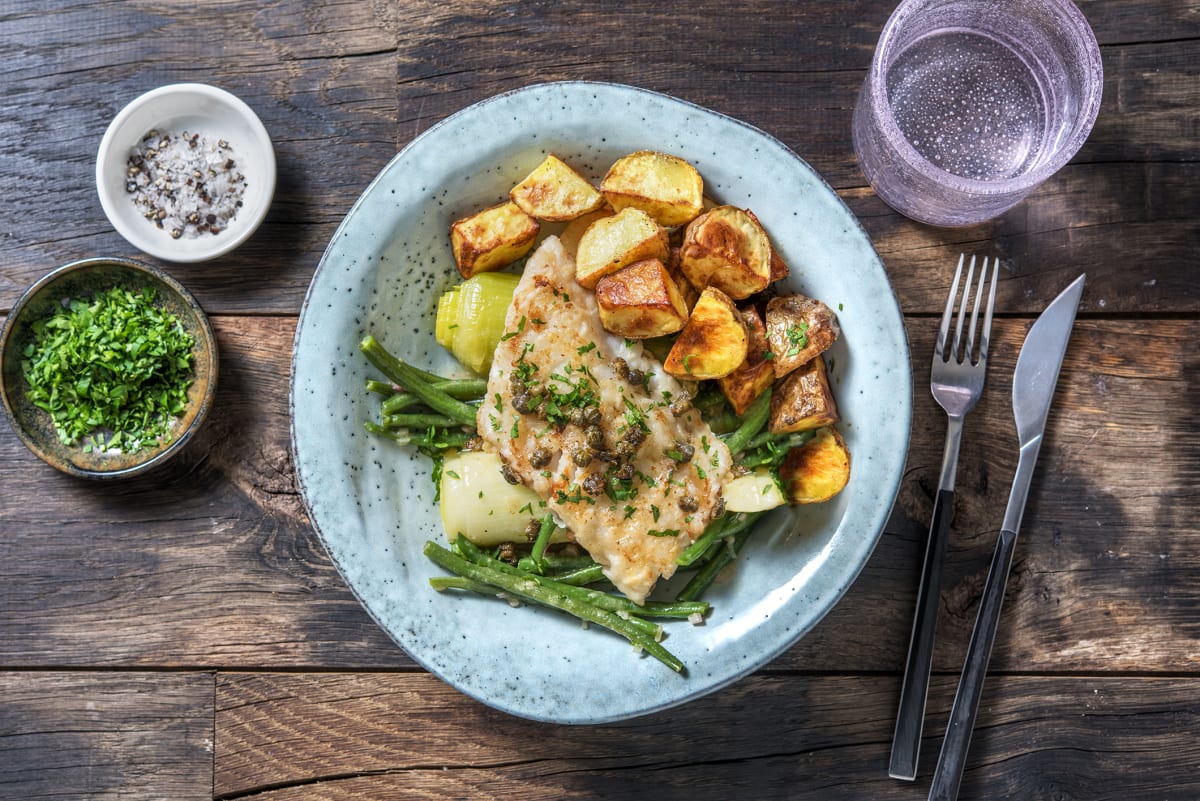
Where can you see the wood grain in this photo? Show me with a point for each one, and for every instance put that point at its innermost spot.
(106, 736)
(213, 562)
(282, 737)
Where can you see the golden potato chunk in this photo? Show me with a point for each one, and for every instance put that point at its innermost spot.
(755, 375)
(641, 301)
(665, 187)
(689, 292)
(611, 243)
(817, 470)
(555, 192)
(492, 238)
(573, 231)
(803, 401)
(798, 328)
(712, 343)
(753, 492)
(727, 248)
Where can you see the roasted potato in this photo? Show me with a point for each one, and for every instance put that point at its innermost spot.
(779, 268)
(573, 231)
(492, 238)
(803, 401)
(689, 292)
(727, 248)
(611, 243)
(798, 329)
(712, 343)
(755, 375)
(555, 192)
(641, 301)
(817, 470)
(665, 187)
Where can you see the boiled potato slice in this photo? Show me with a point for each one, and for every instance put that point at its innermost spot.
(665, 187)
(817, 470)
(803, 401)
(555, 192)
(641, 301)
(755, 375)
(754, 492)
(611, 243)
(575, 229)
(492, 238)
(712, 343)
(726, 247)
(798, 328)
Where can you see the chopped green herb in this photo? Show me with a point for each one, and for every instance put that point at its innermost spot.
(797, 336)
(511, 334)
(586, 348)
(629, 510)
(115, 368)
(453, 474)
(654, 510)
(526, 509)
(670, 532)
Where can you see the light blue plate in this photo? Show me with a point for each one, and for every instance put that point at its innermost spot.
(372, 502)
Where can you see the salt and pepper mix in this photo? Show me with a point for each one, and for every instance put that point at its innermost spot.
(186, 184)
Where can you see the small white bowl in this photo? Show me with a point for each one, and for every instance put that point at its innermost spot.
(196, 108)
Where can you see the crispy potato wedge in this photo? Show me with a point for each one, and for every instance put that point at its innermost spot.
(755, 375)
(712, 343)
(689, 292)
(492, 238)
(611, 243)
(641, 301)
(727, 248)
(779, 268)
(665, 187)
(798, 328)
(753, 492)
(803, 401)
(817, 470)
(555, 192)
(573, 231)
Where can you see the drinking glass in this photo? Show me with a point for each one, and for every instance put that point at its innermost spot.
(970, 104)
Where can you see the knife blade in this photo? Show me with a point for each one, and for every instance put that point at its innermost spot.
(1034, 380)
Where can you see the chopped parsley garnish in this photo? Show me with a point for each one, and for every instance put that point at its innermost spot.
(700, 472)
(511, 334)
(115, 368)
(629, 510)
(669, 532)
(526, 509)
(586, 348)
(654, 510)
(797, 336)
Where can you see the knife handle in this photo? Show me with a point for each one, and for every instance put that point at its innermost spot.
(951, 761)
(910, 719)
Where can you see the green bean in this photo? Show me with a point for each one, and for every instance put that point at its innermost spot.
(417, 382)
(382, 387)
(707, 574)
(719, 529)
(612, 603)
(461, 388)
(752, 422)
(530, 588)
(558, 563)
(539, 545)
(401, 436)
(580, 576)
(411, 421)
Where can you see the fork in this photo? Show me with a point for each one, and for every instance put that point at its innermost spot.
(956, 382)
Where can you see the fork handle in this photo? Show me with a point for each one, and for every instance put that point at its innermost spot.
(910, 719)
(953, 758)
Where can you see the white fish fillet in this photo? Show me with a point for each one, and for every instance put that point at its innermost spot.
(555, 337)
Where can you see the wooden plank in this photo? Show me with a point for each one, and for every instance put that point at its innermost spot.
(128, 736)
(327, 737)
(340, 94)
(214, 563)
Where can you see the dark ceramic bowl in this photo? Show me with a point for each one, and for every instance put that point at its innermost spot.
(84, 278)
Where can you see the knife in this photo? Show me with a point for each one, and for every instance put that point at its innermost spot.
(1033, 389)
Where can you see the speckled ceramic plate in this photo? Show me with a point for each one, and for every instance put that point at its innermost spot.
(372, 502)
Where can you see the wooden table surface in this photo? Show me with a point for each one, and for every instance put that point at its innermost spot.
(185, 636)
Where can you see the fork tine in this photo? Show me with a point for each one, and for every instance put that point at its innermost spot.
(939, 347)
(987, 316)
(969, 353)
(962, 313)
